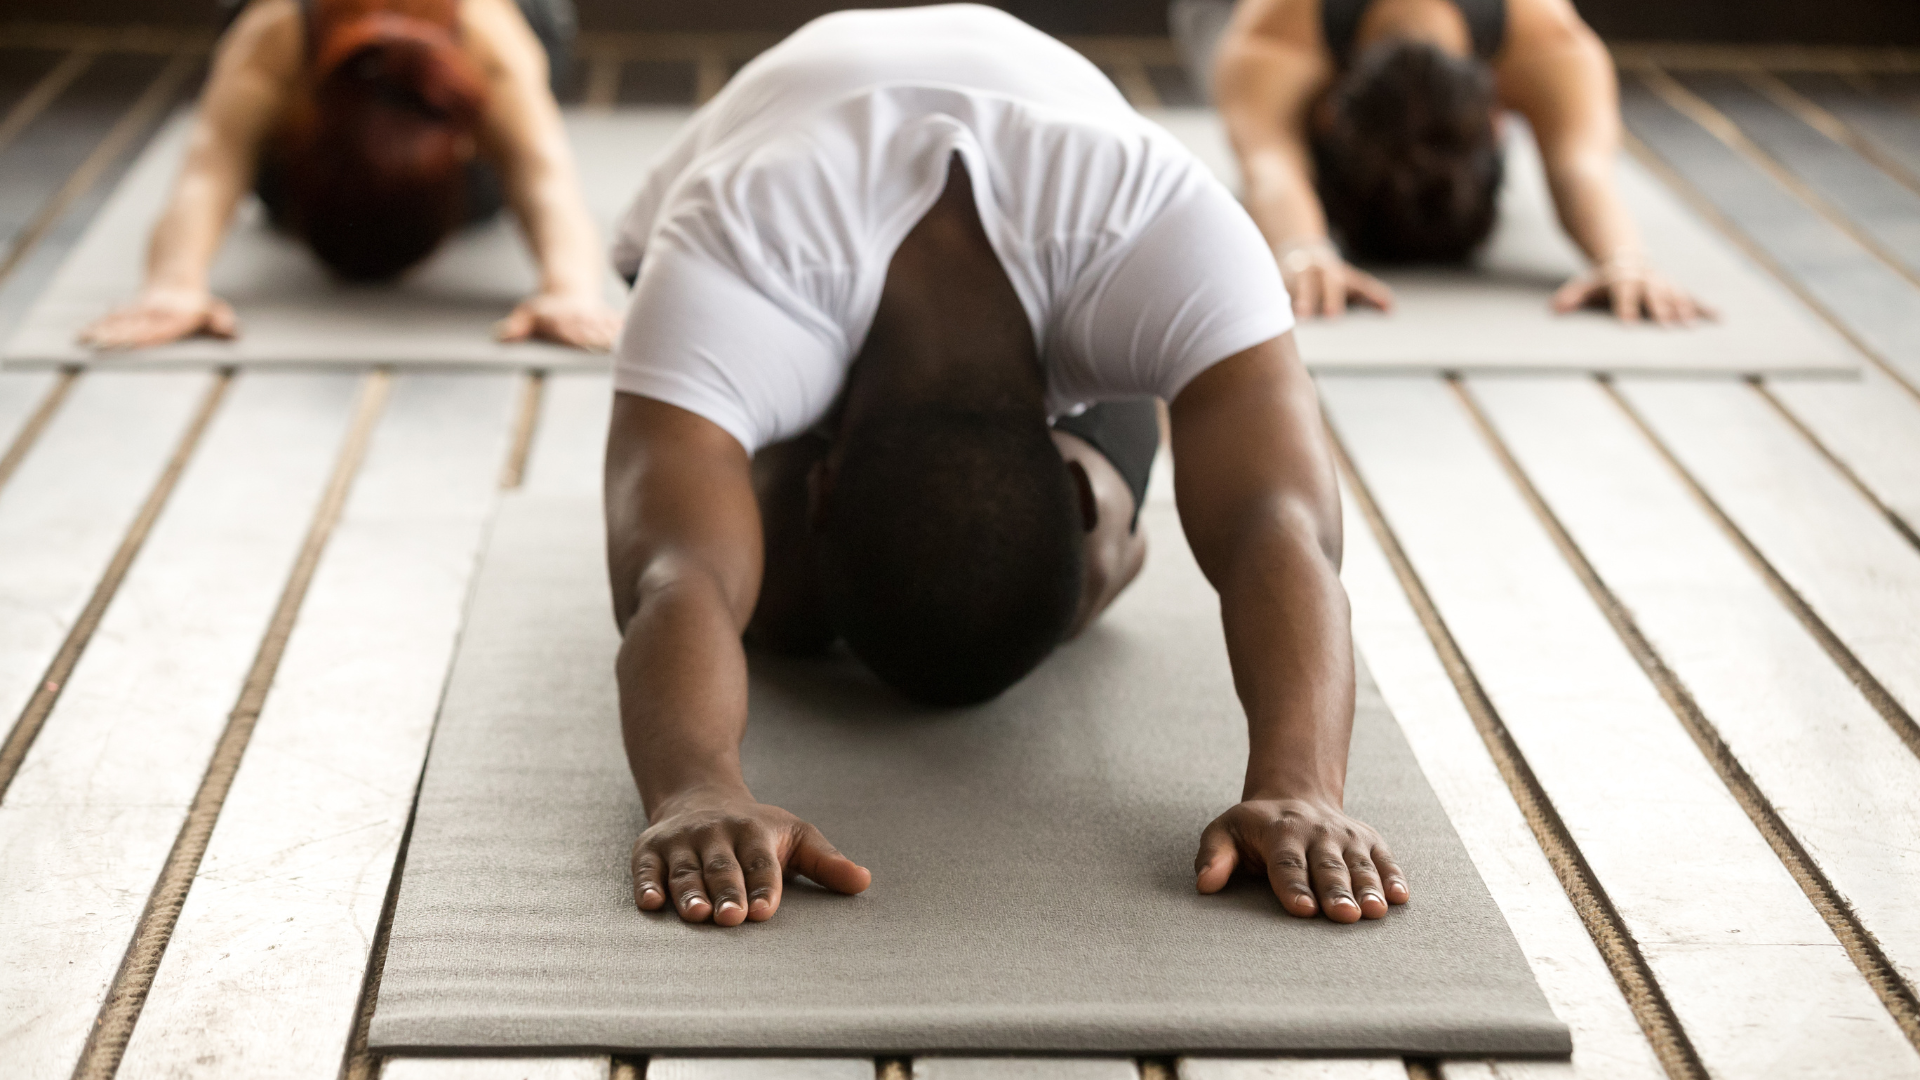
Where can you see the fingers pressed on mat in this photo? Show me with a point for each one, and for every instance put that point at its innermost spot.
(1287, 873)
(1391, 877)
(1367, 890)
(1332, 883)
(726, 885)
(822, 862)
(649, 891)
(1219, 854)
(761, 867)
(688, 885)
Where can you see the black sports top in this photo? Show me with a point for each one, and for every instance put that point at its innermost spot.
(1486, 21)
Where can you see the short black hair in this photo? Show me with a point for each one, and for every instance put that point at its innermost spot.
(950, 549)
(1409, 168)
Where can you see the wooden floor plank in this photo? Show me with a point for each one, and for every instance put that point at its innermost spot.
(1867, 298)
(21, 393)
(1833, 547)
(1212, 1068)
(1016, 1068)
(1884, 209)
(66, 509)
(48, 149)
(1871, 427)
(1758, 982)
(1507, 1070)
(1836, 775)
(764, 1068)
(570, 443)
(264, 971)
(93, 812)
(1607, 1041)
(497, 1068)
(1891, 128)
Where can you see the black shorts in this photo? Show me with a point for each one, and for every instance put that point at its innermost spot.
(1127, 433)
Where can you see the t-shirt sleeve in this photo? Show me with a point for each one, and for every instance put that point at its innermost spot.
(1196, 286)
(700, 337)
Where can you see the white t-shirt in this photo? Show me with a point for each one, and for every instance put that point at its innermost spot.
(762, 238)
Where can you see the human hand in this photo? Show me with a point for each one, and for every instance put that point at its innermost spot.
(1632, 289)
(1321, 282)
(1315, 857)
(579, 321)
(161, 316)
(723, 856)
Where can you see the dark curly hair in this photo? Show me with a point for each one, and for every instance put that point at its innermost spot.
(1409, 167)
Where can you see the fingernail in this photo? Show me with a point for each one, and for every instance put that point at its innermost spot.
(725, 904)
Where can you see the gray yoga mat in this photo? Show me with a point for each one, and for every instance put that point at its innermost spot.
(1032, 858)
(292, 313)
(1494, 314)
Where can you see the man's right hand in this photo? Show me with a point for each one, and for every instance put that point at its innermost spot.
(1322, 283)
(161, 316)
(724, 857)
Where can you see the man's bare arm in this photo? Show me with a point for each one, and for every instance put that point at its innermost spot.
(1254, 481)
(522, 132)
(684, 553)
(253, 78)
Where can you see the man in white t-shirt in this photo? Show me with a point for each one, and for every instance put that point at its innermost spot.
(900, 290)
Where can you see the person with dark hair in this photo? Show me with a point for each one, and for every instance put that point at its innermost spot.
(372, 129)
(905, 291)
(1376, 124)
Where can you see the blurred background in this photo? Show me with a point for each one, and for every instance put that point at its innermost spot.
(1830, 22)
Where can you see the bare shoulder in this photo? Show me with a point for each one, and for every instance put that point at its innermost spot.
(1536, 26)
(497, 37)
(269, 37)
(1289, 22)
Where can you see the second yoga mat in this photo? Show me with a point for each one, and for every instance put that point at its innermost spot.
(1032, 857)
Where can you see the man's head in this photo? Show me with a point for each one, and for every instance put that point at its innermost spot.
(376, 161)
(950, 548)
(1407, 157)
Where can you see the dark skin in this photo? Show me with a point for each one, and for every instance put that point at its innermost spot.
(706, 546)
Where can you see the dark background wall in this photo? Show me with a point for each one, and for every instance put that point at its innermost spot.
(1836, 22)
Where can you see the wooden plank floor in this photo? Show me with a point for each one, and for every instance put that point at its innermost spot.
(1657, 644)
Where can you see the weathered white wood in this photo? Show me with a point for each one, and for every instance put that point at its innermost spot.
(510, 1068)
(1507, 1070)
(94, 810)
(67, 508)
(1872, 426)
(1837, 551)
(570, 444)
(1607, 1041)
(1758, 983)
(1206, 1068)
(705, 1068)
(20, 395)
(1839, 777)
(1015, 1068)
(264, 970)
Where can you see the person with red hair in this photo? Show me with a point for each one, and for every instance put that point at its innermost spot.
(372, 129)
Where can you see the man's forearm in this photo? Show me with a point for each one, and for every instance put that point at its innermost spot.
(1287, 626)
(683, 697)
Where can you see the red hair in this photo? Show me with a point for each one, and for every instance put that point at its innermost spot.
(375, 153)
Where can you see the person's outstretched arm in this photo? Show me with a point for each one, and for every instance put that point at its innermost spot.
(1557, 74)
(684, 552)
(253, 77)
(1268, 74)
(522, 133)
(1254, 481)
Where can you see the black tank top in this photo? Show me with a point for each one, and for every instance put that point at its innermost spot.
(1486, 22)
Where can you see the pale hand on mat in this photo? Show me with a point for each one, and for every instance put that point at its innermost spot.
(161, 316)
(1322, 283)
(725, 857)
(1315, 857)
(582, 322)
(1632, 289)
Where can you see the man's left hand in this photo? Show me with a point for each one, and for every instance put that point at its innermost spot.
(582, 322)
(1315, 857)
